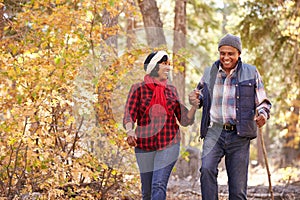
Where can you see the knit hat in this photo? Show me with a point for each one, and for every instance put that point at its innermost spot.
(231, 40)
(152, 59)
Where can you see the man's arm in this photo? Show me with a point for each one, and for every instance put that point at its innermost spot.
(263, 104)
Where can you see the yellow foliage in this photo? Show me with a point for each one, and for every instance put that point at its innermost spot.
(42, 53)
(288, 174)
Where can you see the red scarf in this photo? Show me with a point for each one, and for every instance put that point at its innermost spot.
(158, 100)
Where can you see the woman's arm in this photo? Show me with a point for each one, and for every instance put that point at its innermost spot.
(130, 114)
(191, 113)
(184, 115)
(131, 108)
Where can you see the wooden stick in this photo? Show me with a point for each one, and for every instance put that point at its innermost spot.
(266, 162)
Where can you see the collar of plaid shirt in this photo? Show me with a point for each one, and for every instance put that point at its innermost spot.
(223, 108)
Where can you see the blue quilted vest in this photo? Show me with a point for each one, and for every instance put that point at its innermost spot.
(245, 99)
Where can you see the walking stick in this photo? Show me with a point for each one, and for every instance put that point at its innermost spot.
(266, 162)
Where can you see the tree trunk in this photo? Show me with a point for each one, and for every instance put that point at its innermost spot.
(106, 59)
(108, 21)
(2, 22)
(180, 25)
(130, 40)
(131, 25)
(179, 44)
(152, 23)
(224, 20)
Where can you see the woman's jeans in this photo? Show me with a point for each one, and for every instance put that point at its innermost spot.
(219, 143)
(155, 169)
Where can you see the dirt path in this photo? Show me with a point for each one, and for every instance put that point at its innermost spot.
(284, 187)
(182, 190)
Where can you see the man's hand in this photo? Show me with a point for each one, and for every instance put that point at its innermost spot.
(194, 98)
(260, 120)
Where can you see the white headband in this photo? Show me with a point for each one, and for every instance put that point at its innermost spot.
(157, 57)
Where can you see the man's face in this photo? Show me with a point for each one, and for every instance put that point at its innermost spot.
(228, 57)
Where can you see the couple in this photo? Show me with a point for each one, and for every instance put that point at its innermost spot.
(234, 104)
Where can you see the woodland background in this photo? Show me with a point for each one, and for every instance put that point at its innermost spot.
(67, 66)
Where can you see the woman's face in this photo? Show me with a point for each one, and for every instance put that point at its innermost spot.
(164, 69)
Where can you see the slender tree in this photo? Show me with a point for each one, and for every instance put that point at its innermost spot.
(179, 44)
(178, 49)
(152, 23)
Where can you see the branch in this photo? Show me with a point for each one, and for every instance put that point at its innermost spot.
(267, 164)
(76, 138)
(11, 173)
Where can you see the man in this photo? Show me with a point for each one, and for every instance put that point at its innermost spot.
(234, 103)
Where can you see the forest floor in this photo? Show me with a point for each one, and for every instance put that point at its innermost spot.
(285, 185)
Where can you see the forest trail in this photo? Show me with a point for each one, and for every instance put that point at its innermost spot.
(258, 186)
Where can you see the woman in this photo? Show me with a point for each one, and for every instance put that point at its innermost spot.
(155, 107)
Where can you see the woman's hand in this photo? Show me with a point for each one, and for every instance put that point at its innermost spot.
(131, 138)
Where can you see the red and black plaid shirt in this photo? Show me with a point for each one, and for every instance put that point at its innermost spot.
(155, 133)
